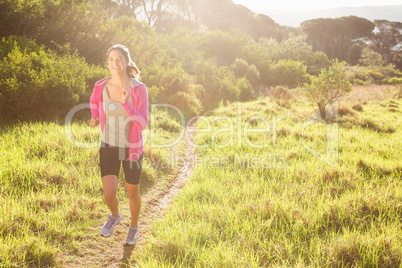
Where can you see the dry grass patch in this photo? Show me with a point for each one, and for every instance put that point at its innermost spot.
(357, 107)
(342, 111)
(281, 96)
(363, 94)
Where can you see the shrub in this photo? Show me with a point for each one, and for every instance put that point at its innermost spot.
(174, 86)
(358, 108)
(289, 73)
(359, 82)
(342, 111)
(187, 102)
(242, 69)
(360, 75)
(281, 96)
(395, 81)
(219, 83)
(374, 75)
(37, 83)
(165, 122)
(246, 93)
(153, 92)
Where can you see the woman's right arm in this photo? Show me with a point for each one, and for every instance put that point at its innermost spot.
(94, 110)
(94, 122)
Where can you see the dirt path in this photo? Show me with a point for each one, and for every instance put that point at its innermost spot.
(110, 252)
(158, 205)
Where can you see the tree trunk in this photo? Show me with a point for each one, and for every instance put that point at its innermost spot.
(321, 108)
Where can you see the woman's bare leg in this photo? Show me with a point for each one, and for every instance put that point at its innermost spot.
(110, 184)
(133, 191)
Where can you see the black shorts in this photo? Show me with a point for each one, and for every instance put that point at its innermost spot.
(112, 157)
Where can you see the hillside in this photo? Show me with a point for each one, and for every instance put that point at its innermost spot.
(294, 18)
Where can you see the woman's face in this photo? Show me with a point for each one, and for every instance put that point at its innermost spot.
(117, 63)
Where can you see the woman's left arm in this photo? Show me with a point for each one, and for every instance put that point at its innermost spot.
(139, 114)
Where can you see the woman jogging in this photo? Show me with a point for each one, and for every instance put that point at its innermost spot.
(119, 104)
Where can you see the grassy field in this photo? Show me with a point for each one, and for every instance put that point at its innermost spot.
(276, 199)
(273, 187)
(50, 189)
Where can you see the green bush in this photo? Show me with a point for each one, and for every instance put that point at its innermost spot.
(289, 73)
(219, 83)
(266, 69)
(246, 92)
(395, 81)
(187, 103)
(173, 86)
(166, 122)
(153, 92)
(359, 82)
(36, 83)
(360, 75)
(374, 75)
(242, 69)
(391, 71)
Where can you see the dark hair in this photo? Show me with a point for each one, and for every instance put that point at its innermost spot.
(132, 69)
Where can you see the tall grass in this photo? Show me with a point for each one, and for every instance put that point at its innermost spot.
(281, 206)
(50, 189)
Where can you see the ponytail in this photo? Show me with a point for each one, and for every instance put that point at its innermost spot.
(133, 71)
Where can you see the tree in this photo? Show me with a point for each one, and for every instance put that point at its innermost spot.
(354, 29)
(227, 16)
(371, 58)
(54, 23)
(387, 38)
(224, 46)
(187, 11)
(264, 26)
(155, 11)
(329, 85)
(321, 34)
(337, 37)
(127, 8)
(316, 62)
(19, 18)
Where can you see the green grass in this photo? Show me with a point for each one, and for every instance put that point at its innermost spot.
(280, 206)
(51, 193)
(254, 199)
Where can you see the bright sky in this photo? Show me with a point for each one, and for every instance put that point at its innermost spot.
(257, 5)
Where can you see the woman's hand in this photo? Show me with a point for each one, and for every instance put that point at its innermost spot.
(94, 122)
(125, 95)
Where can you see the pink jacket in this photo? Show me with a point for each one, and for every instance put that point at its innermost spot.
(138, 113)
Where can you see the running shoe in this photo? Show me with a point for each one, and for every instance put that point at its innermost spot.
(132, 236)
(107, 228)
